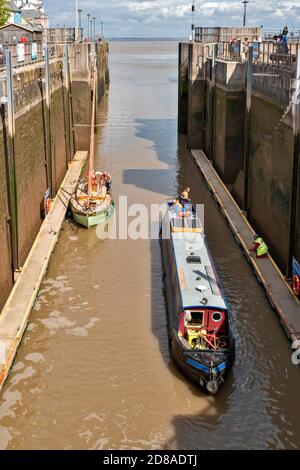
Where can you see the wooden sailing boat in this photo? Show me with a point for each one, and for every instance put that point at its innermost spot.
(92, 203)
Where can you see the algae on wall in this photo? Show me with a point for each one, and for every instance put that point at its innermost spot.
(6, 279)
(183, 102)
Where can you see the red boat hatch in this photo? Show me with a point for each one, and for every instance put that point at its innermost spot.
(203, 329)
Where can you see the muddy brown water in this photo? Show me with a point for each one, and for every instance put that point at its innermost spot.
(94, 371)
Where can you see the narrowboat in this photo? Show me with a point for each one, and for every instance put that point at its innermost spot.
(201, 340)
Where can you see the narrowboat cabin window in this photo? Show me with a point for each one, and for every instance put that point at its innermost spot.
(203, 329)
(186, 225)
(193, 318)
(217, 317)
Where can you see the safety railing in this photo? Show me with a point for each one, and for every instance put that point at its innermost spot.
(293, 36)
(220, 34)
(27, 55)
(23, 54)
(62, 35)
(266, 52)
(278, 53)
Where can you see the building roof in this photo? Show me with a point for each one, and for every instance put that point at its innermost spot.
(27, 27)
(31, 5)
(33, 14)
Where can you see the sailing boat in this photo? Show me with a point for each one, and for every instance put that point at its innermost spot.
(92, 203)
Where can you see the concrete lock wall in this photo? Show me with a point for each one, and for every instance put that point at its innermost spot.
(270, 179)
(229, 125)
(192, 93)
(196, 96)
(183, 83)
(32, 142)
(31, 129)
(216, 123)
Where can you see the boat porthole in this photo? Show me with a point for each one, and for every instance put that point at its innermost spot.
(217, 316)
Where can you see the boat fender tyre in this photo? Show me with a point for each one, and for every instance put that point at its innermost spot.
(296, 285)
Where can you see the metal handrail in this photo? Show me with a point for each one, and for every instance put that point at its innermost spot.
(27, 55)
(265, 52)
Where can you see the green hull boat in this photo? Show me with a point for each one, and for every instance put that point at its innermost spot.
(95, 218)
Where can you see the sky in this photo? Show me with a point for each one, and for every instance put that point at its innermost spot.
(172, 18)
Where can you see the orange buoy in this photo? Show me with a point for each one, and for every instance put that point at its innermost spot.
(48, 204)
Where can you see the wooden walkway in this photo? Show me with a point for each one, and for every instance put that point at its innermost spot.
(15, 314)
(278, 291)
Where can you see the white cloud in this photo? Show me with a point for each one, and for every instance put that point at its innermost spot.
(163, 8)
(173, 17)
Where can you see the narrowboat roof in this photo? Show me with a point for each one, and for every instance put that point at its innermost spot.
(198, 281)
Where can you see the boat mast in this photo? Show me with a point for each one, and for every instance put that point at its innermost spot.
(92, 139)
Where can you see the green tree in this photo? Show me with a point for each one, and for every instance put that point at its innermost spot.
(4, 12)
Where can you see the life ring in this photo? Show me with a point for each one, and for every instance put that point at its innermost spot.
(296, 284)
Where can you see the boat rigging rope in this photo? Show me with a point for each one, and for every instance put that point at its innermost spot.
(92, 141)
(72, 195)
(63, 202)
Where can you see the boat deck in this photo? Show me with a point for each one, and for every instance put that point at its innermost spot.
(99, 200)
(267, 272)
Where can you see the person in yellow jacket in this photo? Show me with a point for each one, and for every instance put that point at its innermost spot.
(184, 197)
(259, 247)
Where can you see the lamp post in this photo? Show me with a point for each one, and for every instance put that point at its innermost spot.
(88, 31)
(245, 2)
(91, 29)
(193, 20)
(79, 24)
(76, 20)
(94, 28)
(102, 29)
